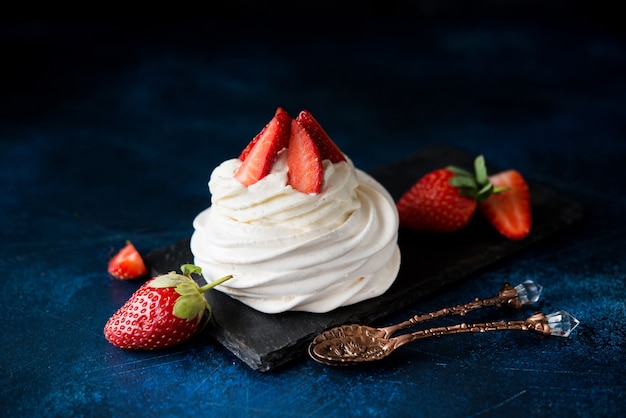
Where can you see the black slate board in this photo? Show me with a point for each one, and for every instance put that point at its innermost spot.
(429, 262)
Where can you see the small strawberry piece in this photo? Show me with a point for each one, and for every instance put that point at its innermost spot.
(127, 264)
(260, 154)
(165, 311)
(303, 160)
(509, 209)
(327, 148)
(432, 204)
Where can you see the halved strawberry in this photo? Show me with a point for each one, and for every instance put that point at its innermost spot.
(509, 209)
(327, 148)
(127, 264)
(260, 154)
(303, 160)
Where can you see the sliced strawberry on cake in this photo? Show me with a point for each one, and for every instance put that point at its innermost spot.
(327, 148)
(260, 154)
(304, 161)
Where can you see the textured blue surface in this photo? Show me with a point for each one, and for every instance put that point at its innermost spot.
(109, 133)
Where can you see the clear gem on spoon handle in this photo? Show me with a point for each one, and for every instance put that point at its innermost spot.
(528, 292)
(561, 323)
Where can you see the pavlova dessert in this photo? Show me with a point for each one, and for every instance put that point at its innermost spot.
(296, 224)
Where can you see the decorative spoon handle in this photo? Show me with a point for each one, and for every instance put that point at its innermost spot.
(514, 297)
(558, 324)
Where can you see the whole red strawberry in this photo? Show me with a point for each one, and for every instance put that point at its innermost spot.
(432, 204)
(165, 311)
(444, 200)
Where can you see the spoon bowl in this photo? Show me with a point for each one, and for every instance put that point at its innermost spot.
(350, 350)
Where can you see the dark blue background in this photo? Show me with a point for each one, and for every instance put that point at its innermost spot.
(109, 130)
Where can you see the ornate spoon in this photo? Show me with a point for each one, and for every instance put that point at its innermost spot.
(363, 347)
(523, 294)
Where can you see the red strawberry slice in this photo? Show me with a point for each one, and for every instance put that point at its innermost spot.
(163, 312)
(327, 148)
(433, 204)
(280, 116)
(509, 209)
(260, 154)
(127, 264)
(303, 160)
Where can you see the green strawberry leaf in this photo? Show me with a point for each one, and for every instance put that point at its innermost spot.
(187, 288)
(458, 171)
(190, 307)
(189, 269)
(173, 279)
(463, 182)
(485, 192)
(169, 280)
(481, 171)
(476, 186)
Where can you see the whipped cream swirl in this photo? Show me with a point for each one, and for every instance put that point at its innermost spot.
(288, 250)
